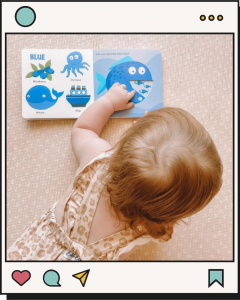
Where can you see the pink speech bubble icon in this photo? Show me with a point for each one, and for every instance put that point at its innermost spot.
(21, 277)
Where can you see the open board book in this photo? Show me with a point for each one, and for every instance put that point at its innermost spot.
(62, 83)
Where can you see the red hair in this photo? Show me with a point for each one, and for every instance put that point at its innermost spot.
(163, 169)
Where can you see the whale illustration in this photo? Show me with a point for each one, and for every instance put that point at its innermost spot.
(124, 71)
(39, 97)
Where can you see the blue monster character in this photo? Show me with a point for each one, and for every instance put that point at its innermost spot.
(75, 63)
(39, 97)
(124, 71)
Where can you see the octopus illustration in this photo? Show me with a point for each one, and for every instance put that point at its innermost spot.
(75, 63)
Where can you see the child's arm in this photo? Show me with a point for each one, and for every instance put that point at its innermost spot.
(86, 142)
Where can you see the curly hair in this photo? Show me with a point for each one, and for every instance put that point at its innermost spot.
(163, 169)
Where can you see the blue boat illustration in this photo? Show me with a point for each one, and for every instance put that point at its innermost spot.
(78, 97)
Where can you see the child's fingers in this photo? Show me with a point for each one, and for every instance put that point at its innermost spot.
(145, 113)
(123, 86)
(131, 94)
(116, 83)
(130, 105)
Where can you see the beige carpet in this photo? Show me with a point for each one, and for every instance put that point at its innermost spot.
(197, 76)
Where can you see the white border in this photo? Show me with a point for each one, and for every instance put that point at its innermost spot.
(129, 277)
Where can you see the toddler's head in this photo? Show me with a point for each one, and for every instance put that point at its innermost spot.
(164, 168)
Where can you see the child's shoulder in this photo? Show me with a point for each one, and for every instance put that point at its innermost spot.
(92, 150)
(87, 145)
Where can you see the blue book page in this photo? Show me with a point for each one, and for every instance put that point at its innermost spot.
(139, 70)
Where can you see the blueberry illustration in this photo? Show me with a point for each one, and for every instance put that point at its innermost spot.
(43, 75)
(35, 73)
(40, 71)
(49, 70)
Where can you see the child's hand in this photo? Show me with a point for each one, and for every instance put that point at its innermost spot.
(119, 97)
(135, 121)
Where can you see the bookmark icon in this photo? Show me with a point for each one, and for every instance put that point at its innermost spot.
(215, 275)
(82, 276)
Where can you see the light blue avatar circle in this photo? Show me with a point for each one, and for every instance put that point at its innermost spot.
(25, 16)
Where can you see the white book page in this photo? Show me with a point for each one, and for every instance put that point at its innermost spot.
(61, 94)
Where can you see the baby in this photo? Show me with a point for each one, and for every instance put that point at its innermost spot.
(163, 169)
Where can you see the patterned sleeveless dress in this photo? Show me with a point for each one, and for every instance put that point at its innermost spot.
(49, 241)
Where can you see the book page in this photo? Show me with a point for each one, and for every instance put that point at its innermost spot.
(139, 70)
(56, 83)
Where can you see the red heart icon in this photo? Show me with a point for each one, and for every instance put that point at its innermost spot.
(21, 277)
